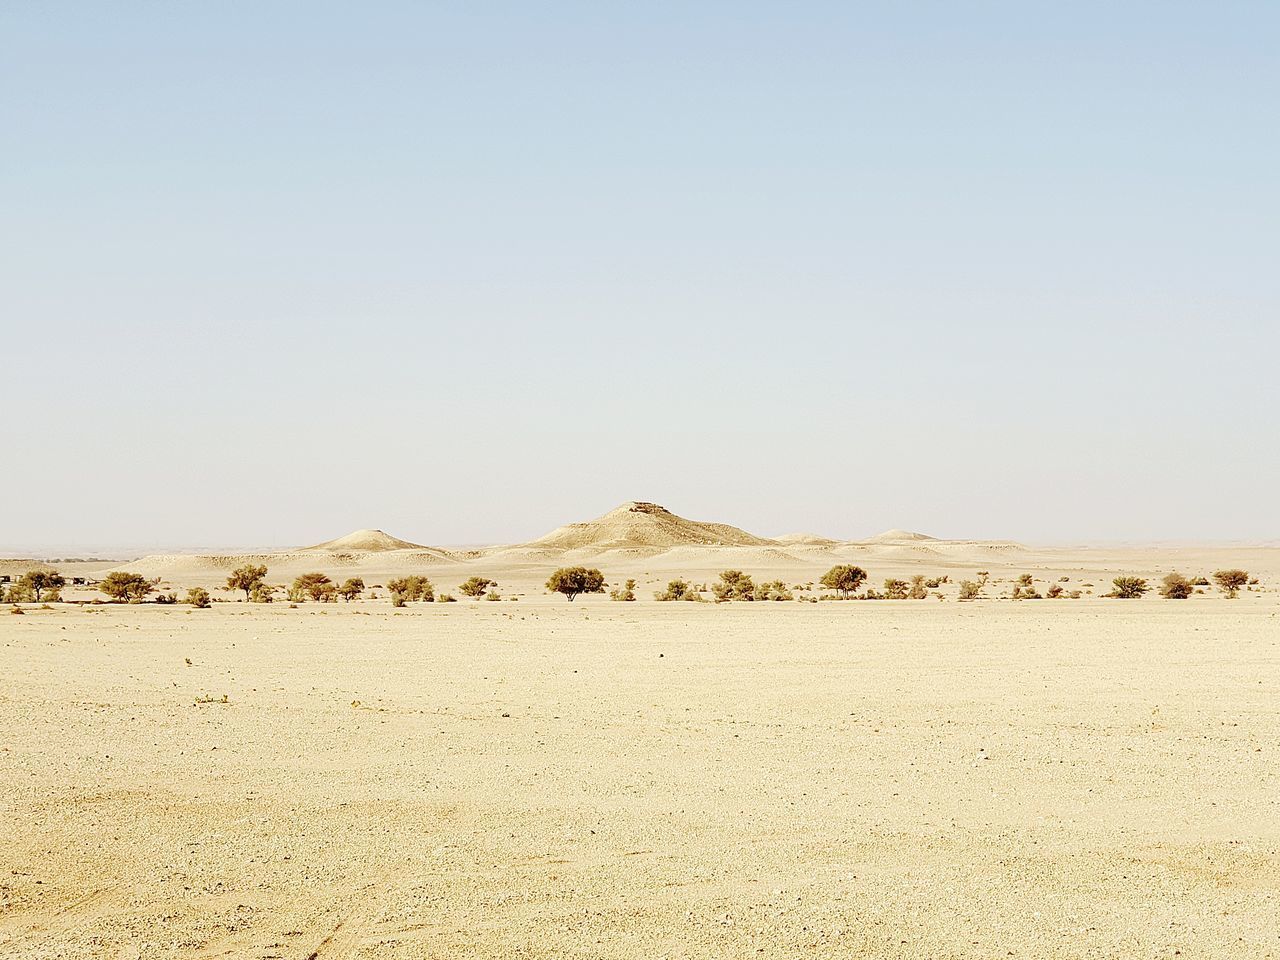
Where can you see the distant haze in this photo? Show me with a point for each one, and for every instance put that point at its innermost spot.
(465, 273)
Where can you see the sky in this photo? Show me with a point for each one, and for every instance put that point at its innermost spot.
(273, 271)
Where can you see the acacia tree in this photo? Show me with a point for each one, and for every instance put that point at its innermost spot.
(412, 588)
(844, 579)
(312, 586)
(572, 581)
(125, 587)
(1230, 581)
(352, 588)
(1128, 588)
(246, 578)
(38, 581)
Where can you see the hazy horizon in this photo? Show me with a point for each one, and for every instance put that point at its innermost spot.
(272, 274)
(127, 550)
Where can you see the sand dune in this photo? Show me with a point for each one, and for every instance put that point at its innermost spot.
(898, 536)
(649, 542)
(806, 539)
(365, 541)
(641, 524)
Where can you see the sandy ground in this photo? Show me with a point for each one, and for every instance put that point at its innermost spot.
(541, 779)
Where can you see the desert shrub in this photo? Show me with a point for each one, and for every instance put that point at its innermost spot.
(625, 593)
(198, 597)
(572, 581)
(493, 595)
(869, 594)
(20, 593)
(351, 589)
(1024, 588)
(969, 590)
(676, 590)
(412, 589)
(773, 590)
(445, 598)
(397, 599)
(733, 585)
(246, 578)
(38, 581)
(933, 583)
(1230, 581)
(1128, 588)
(1201, 581)
(312, 586)
(1055, 591)
(918, 590)
(166, 598)
(844, 579)
(124, 587)
(261, 593)
(475, 587)
(895, 589)
(1176, 587)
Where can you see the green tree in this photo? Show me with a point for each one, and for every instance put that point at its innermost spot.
(127, 587)
(572, 581)
(411, 588)
(844, 579)
(312, 586)
(246, 578)
(38, 581)
(351, 588)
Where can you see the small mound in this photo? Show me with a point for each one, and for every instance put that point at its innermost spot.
(898, 536)
(366, 541)
(641, 524)
(806, 540)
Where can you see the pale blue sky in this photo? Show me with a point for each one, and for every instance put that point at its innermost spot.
(466, 271)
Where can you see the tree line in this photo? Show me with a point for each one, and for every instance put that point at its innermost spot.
(846, 581)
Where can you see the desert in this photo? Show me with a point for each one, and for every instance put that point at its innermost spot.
(884, 778)
(639, 481)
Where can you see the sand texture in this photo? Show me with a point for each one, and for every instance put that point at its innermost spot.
(542, 779)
